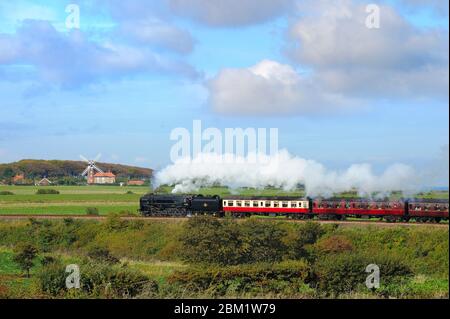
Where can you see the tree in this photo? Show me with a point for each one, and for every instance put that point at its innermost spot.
(8, 173)
(207, 240)
(25, 256)
(307, 235)
(264, 241)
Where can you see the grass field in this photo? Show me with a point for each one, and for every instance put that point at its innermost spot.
(114, 199)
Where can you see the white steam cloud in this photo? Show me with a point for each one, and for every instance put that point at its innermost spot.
(285, 171)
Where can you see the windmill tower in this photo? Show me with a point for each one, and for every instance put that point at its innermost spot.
(91, 168)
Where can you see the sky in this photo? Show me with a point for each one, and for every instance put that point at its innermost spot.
(338, 91)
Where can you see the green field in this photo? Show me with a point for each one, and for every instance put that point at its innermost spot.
(115, 199)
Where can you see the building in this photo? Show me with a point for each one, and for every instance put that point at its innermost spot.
(43, 182)
(104, 178)
(136, 182)
(19, 179)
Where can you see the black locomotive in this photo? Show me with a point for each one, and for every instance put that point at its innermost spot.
(179, 205)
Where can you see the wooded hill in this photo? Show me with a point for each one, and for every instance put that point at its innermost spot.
(57, 168)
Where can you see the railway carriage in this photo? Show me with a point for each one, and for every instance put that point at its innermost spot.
(272, 206)
(427, 210)
(349, 207)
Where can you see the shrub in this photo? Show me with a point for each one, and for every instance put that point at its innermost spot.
(345, 273)
(307, 235)
(100, 254)
(207, 240)
(287, 278)
(92, 211)
(264, 241)
(52, 278)
(129, 192)
(24, 257)
(43, 191)
(97, 280)
(101, 280)
(6, 193)
(334, 244)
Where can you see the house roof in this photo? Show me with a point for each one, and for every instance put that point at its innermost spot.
(107, 174)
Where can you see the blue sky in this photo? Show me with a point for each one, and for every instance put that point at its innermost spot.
(338, 92)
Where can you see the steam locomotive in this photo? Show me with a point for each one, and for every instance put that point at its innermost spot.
(172, 205)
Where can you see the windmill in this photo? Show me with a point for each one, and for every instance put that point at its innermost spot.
(91, 168)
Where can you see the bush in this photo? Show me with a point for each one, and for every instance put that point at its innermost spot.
(345, 273)
(286, 278)
(100, 254)
(6, 193)
(307, 235)
(97, 280)
(208, 240)
(43, 191)
(264, 241)
(24, 257)
(92, 211)
(334, 244)
(52, 278)
(105, 281)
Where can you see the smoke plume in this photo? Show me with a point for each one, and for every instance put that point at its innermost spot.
(285, 171)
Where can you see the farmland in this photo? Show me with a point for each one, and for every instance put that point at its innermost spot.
(71, 200)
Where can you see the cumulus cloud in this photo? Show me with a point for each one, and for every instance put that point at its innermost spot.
(230, 13)
(348, 65)
(285, 171)
(72, 59)
(146, 24)
(270, 88)
(396, 60)
(158, 34)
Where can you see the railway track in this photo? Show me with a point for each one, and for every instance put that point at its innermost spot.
(341, 222)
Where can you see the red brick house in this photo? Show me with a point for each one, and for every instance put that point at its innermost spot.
(104, 178)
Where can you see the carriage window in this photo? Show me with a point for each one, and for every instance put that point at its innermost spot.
(267, 204)
(225, 203)
(247, 204)
(284, 204)
(276, 204)
(255, 204)
(293, 205)
(238, 203)
(230, 203)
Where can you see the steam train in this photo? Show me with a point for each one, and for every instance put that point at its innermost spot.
(171, 205)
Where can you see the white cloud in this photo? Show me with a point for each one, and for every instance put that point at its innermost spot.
(270, 88)
(396, 60)
(230, 13)
(155, 32)
(72, 59)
